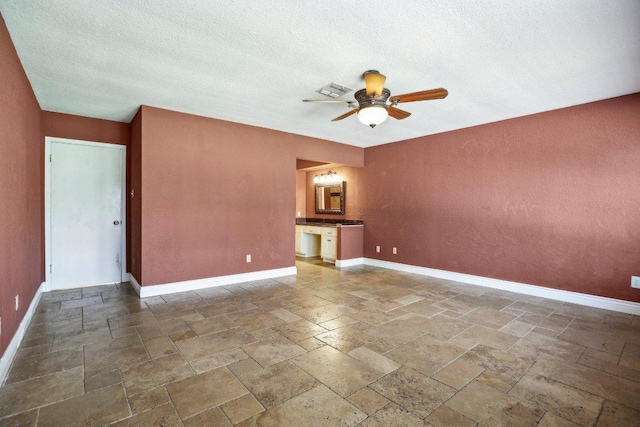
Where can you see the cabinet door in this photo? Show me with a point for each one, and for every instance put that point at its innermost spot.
(329, 247)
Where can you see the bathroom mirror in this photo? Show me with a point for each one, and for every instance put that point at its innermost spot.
(330, 198)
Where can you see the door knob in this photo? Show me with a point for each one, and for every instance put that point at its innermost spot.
(116, 222)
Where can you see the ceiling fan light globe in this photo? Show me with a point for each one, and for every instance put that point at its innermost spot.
(373, 115)
(374, 82)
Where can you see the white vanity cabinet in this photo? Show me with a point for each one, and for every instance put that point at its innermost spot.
(314, 241)
(329, 244)
(299, 241)
(307, 241)
(330, 241)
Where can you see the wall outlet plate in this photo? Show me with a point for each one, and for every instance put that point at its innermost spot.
(635, 282)
(395, 251)
(377, 248)
(248, 257)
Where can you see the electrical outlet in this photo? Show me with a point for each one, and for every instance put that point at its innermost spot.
(635, 282)
(395, 251)
(248, 257)
(377, 248)
(299, 214)
(17, 302)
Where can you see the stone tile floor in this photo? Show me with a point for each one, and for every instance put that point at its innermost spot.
(357, 346)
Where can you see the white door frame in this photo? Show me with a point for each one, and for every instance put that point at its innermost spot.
(47, 203)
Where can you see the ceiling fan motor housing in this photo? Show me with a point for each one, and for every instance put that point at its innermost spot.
(365, 100)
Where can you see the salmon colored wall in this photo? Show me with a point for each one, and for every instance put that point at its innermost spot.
(301, 193)
(354, 194)
(319, 150)
(21, 191)
(134, 247)
(96, 130)
(303, 164)
(351, 242)
(215, 191)
(85, 128)
(550, 199)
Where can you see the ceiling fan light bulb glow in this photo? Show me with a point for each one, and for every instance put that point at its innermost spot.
(372, 116)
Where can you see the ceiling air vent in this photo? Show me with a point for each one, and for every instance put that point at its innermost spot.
(334, 90)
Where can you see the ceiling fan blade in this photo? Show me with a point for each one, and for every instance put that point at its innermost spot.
(345, 115)
(397, 113)
(374, 82)
(330, 101)
(425, 95)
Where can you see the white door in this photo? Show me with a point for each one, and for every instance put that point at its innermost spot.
(86, 221)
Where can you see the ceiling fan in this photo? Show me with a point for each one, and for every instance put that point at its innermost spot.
(374, 103)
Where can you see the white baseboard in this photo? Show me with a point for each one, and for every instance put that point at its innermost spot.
(134, 283)
(349, 262)
(210, 282)
(522, 288)
(12, 349)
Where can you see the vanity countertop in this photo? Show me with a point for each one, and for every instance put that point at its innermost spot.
(322, 222)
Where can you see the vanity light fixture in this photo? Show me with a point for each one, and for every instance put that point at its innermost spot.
(327, 178)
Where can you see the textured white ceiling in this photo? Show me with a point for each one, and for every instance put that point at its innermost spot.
(254, 61)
